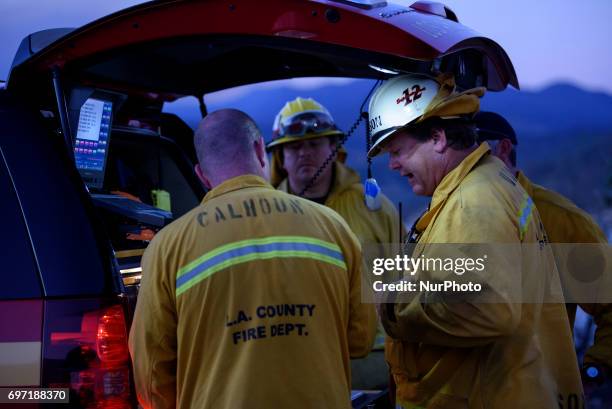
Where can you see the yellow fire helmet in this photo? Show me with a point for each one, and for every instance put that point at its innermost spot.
(410, 99)
(290, 125)
(302, 118)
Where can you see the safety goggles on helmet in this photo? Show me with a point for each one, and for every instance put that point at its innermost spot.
(300, 119)
(300, 124)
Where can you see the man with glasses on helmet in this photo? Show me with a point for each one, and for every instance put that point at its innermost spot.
(469, 350)
(303, 146)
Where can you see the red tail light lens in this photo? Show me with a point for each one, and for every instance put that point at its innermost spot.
(112, 339)
(96, 359)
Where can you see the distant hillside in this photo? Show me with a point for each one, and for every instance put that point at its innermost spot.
(565, 142)
(565, 136)
(556, 109)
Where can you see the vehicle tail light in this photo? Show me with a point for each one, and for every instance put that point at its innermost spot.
(96, 364)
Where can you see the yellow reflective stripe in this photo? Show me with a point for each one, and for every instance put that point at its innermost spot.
(525, 215)
(257, 249)
(244, 243)
(255, 256)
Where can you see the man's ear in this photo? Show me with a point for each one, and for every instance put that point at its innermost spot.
(504, 147)
(440, 143)
(200, 173)
(260, 152)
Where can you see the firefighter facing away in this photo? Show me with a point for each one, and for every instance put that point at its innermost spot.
(252, 299)
(564, 222)
(469, 354)
(304, 137)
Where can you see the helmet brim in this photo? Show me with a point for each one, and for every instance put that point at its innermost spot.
(381, 140)
(289, 139)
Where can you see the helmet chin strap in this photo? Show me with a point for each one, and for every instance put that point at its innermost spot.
(371, 187)
(371, 190)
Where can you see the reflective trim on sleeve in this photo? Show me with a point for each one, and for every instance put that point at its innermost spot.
(257, 249)
(525, 215)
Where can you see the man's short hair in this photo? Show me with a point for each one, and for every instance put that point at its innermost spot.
(460, 133)
(223, 134)
(511, 157)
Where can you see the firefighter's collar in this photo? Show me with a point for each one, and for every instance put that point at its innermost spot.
(525, 182)
(239, 182)
(344, 178)
(450, 182)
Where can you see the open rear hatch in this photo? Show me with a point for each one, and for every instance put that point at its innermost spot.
(171, 48)
(127, 64)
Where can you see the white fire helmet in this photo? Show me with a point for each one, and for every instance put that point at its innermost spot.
(410, 99)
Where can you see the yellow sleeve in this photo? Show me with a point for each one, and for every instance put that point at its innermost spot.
(450, 325)
(466, 323)
(380, 226)
(362, 316)
(362, 320)
(601, 350)
(152, 340)
(566, 223)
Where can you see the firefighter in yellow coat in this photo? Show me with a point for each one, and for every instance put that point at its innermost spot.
(447, 355)
(304, 136)
(252, 299)
(564, 222)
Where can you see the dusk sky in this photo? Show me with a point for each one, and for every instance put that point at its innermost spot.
(548, 41)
